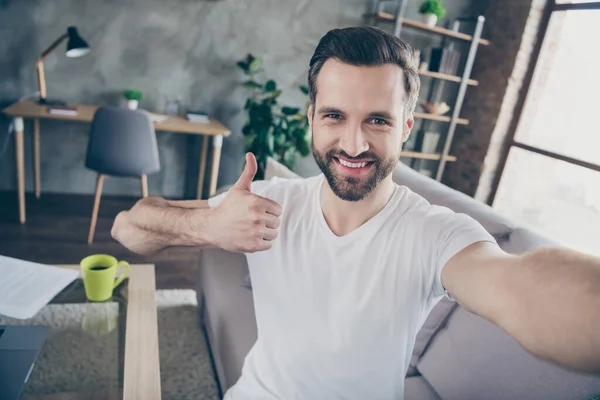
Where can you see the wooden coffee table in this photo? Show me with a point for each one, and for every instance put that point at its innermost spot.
(132, 338)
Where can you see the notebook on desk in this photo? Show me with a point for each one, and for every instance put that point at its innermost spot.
(26, 287)
(63, 110)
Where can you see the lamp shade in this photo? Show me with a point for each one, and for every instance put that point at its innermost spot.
(76, 46)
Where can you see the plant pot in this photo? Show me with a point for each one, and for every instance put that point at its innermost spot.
(430, 19)
(132, 104)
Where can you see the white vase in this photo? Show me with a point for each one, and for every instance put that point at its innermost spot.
(132, 104)
(430, 19)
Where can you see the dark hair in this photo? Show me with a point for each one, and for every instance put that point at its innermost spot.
(366, 46)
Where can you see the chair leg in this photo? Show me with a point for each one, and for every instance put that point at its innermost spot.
(96, 207)
(144, 185)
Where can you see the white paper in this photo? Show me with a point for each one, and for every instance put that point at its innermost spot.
(26, 287)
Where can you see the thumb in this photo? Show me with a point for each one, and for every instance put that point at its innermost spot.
(249, 171)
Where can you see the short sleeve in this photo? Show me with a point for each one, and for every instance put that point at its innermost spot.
(446, 233)
(257, 187)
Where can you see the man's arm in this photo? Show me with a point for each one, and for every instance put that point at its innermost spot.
(155, 223)
(547, 299)
(242, 222)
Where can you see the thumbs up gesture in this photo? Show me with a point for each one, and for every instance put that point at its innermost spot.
(244, 221)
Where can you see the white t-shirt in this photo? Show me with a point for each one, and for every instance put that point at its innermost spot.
(337, 316)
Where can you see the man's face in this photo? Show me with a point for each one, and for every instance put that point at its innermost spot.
(358, 125)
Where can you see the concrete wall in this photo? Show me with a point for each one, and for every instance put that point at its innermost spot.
(184, 48)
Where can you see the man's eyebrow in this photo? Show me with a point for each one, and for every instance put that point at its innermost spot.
(329, 110)
(382, 114)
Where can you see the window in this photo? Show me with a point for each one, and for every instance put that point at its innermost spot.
(551, 180)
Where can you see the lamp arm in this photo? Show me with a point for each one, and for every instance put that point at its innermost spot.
(53, 46)
(40, 65)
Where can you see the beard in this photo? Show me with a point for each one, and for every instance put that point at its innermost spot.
(353, 188)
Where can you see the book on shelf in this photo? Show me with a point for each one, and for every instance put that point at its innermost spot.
(62, 110)
(444, 60)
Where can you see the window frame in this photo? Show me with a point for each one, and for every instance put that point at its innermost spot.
(551, 7)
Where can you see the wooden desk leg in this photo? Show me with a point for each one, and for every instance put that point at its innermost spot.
(36, 156)
(144, 185)
(20, 157)
(214, 172)
(202, 170)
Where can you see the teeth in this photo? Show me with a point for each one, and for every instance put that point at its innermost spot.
(352, 165)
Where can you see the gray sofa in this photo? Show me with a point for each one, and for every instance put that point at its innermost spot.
(457, 355)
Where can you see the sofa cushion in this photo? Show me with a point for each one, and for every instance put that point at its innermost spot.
(228, 312)
(435, 321)
(522, 240)
(417, 388)
(440, 194)
(473, 359)
(275, 168)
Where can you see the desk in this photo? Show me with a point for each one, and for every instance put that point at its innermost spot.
(85, 113)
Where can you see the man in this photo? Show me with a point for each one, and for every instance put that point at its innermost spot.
(346, 266)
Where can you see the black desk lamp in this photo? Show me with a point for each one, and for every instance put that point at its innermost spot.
(76, 47)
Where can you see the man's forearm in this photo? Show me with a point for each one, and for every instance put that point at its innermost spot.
(556, 308)
(154, 224)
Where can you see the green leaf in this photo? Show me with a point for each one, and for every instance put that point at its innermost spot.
(243, 66)
(290, 110)
(303, 146)
(248, 104)
(255, 65)
(270, 86)
(289, 157)
(304, 89)
(252, 85)
(246, 130)
(433, 7)
(270, 142)
(249, 141)
(280, 140)
(273, 95)
(132, 94)
(283, 126)
(292, 125)
(299, 133)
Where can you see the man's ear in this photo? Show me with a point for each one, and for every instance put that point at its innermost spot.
(309, 115)
(408, 127)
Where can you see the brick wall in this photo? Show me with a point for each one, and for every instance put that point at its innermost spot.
(512, 27)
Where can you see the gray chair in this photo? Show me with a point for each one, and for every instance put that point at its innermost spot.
(122, 143)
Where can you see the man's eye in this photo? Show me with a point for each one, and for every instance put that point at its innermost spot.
(378, 121)
(333, 116)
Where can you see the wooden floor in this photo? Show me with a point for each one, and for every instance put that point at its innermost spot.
(57, 228)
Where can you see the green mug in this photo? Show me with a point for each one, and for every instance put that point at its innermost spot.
(99, 272)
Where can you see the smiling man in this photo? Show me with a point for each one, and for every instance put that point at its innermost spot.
(346, 266)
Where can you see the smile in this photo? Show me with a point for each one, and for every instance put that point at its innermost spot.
(353, 165)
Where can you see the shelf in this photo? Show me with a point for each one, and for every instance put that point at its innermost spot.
(447, 77)
(425, 156)
(440, 118)
(387, 17)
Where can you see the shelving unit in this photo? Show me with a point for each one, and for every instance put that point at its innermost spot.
(380, 15)
(447, 77)
(387, 17)
(440, 118)
(424, 156)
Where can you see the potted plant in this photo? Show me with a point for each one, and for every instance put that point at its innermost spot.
(271, 129)
(133, 98)
(431, 11)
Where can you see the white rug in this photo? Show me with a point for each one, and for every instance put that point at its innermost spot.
(86, 359)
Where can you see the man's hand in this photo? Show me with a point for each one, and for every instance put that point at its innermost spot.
(244, 222)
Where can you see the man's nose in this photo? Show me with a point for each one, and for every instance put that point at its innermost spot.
(354, 142)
